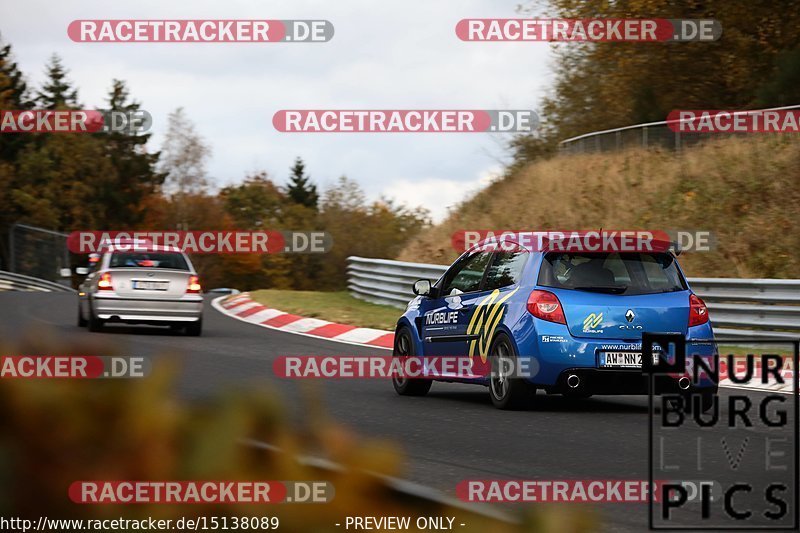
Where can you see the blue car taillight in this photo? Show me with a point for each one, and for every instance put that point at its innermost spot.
(698, 311)
(545, 305)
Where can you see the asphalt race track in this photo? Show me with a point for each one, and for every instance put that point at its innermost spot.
(451, 435)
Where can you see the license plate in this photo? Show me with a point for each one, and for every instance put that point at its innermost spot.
(623, 359)
(151, 285)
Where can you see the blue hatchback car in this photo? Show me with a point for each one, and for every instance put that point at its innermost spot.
(573, 320)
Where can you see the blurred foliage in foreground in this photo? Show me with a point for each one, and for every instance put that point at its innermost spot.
(55, 432)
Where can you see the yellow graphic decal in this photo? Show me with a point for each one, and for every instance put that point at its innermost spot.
(487, 316)
(592, 321)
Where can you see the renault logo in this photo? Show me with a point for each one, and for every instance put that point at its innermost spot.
(630, 315)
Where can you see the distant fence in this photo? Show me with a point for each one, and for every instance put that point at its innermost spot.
(768, 308)
(649, 135)
(37, 252)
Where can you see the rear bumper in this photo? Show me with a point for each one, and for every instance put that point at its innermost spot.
(185, 309)
(557, 354)
(622, 382)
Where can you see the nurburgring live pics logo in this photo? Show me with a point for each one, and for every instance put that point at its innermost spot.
(745, 438)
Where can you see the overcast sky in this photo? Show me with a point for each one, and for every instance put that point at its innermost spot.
(384, 55)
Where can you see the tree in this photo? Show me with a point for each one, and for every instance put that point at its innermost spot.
(610, 84)
(13, 88)
(57, 92)
(784, 87)
(136, 175)
(357, 227)
(259, 204)
(13, 95)
(183, 156)
(255, 204)
(301, 190)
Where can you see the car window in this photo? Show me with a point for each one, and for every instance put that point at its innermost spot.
(173, 261)
(615, 273)
(467, 276)
(506, 269)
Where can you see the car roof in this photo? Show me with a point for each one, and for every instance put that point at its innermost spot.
(135, 245)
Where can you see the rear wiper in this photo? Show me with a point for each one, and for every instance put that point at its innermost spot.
(614, 289)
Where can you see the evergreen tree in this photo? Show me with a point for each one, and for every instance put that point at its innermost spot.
(57, 92)
(13, 89)
(784, 87)
(13, 96)
(135, 176)
(301, 190)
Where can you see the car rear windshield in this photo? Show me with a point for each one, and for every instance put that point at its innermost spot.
(612, 273)
(174, 261)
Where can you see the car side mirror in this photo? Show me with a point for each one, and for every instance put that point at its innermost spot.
(81, 271)
(422, 287)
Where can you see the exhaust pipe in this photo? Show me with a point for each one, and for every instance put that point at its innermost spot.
(684, 383)
(573, 381)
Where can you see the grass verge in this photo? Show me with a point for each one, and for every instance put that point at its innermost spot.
(333, 306)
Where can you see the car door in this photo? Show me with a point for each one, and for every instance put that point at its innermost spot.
(445, 319)
(496, 300)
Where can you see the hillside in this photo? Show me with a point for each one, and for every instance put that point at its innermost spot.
(746, 190)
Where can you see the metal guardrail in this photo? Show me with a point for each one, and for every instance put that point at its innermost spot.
(768, 308)
(649, 135)
(387, 282)
(17, 282)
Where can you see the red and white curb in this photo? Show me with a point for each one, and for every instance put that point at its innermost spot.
(241, 307)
